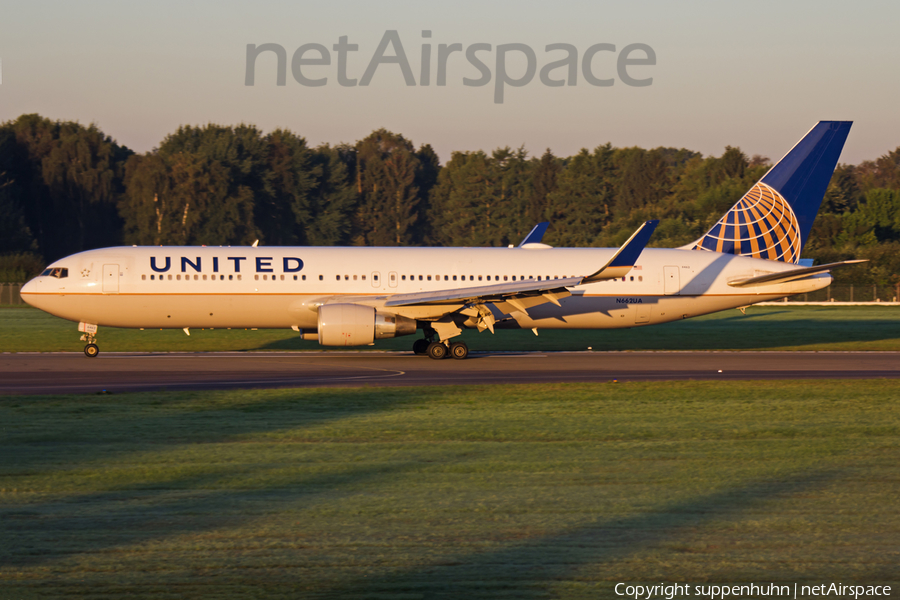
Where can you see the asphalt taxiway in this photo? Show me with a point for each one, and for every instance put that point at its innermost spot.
(64, 373)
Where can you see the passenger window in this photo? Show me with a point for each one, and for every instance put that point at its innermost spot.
(256, 277)
(420, 278)
(446, 278)
(304, 277)
(640, 277)
(152, 277)
(514, 277)
(488, 277)
(321, 277)
(230, 277)
(337, 277)
(239, 277)
(429, 278)
(281, 277)
(375, 277)
(479, 278)
(354, 278)
(363, 277)
(454, 278)
(143, 277)
(170, 278)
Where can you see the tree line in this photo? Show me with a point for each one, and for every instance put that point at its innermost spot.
(66, 187)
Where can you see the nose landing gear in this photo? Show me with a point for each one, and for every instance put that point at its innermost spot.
(89, 330)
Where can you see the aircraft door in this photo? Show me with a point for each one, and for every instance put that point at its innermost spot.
(671, 283)
(376, 279)
(392, 279)
(110, 279)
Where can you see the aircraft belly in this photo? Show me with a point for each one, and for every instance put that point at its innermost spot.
(176, 312)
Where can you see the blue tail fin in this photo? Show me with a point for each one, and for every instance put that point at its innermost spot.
(774, 218)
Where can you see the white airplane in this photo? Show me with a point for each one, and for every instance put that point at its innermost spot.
(354, 296)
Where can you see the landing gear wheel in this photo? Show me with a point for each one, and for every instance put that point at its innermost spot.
(437, 350)
(91, 350)
(459, 350)
(420, 346)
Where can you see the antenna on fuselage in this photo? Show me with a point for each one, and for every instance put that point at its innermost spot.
(256, 243)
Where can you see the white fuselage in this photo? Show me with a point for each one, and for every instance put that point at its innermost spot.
(282, 287)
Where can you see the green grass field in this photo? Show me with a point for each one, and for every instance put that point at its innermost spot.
(462, 492)
(762, 328)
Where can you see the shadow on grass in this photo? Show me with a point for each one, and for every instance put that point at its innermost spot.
(36, 534)
(90, 428)
(753, 331)
(530, 569)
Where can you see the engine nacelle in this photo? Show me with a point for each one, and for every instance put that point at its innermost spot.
(358, 325)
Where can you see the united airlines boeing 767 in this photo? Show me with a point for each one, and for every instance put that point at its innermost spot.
(354, 296)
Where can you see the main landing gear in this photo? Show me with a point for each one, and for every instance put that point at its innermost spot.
(440, 350)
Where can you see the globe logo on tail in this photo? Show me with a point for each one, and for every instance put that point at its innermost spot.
(762, 225)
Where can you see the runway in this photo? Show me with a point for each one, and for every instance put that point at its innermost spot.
(68, 373)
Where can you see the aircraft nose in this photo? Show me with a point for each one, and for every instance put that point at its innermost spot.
(28, 288)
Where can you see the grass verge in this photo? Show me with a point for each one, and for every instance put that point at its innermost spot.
(762, 328)
(457, 492)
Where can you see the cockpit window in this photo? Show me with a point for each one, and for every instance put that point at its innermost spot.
(57, 272)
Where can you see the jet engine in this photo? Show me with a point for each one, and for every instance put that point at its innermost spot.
(358, 325)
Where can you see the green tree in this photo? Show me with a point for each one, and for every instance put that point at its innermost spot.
(581, 205)
(333, 200)
(386, 168)
(70, 177)
(543, 184)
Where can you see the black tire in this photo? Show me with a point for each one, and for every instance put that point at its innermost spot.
(420, 346)
(91, 350)
(437, 350)
(459, 350)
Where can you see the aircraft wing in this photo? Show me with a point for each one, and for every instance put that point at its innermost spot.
(549, 289)
(791, 275)
(487, 293)
(536, 234)
(624, 260)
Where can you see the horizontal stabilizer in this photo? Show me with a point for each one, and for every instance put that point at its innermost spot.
(791, 275)
(625, 258)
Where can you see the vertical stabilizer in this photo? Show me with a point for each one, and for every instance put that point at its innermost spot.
(773, 219)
